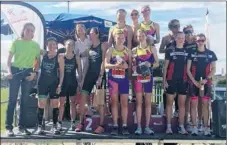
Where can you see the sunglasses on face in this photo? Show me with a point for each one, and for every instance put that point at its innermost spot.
(134, 14)
(201, 40)
(176, 26)
(188, 32)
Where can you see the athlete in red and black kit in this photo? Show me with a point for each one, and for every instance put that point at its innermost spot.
(167, 41)
(191, 45)
(201, 68)
(175, 80)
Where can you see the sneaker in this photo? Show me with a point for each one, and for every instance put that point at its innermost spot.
(169, 131)
(194, 131)
(60, 126)
(138, 131)
(182, 130)
(207, 131)
(189, 128)
(125, 130)
(9, 132)
(24, 131)
(200, 127)
(55, 130)
(114, 130)
(40, 130)
(148, 131)
(99, 130)
(73, 126)
(79, 127)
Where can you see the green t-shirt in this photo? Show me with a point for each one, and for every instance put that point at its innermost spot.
(25, 53)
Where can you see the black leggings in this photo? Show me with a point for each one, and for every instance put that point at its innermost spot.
(176, 101)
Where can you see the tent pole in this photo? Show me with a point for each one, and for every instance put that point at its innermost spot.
(68, 6)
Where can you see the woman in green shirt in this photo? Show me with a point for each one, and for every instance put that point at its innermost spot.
(21, 72)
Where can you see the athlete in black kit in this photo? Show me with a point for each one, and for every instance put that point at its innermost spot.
(201, 68)
(49, 84)
(95, 76)
(175, 80)
(70, 83)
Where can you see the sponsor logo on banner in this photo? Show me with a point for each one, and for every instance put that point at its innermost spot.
(18, 15)
(108, 23)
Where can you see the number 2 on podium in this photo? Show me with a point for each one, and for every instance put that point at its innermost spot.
(88, 127)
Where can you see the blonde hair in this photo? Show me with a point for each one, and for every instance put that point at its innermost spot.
(26, 25)
(80, 25)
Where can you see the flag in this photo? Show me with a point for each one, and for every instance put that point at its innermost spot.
(17, 15)
(207, 32)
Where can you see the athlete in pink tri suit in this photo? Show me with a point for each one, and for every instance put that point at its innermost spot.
(145, 57)
(118, 61)
(152, 29)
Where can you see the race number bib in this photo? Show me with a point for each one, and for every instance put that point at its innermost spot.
(142, 79)
(118, 73)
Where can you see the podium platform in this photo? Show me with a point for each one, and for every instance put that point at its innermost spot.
(157, 123)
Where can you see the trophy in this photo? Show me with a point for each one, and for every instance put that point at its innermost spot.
(134, 64)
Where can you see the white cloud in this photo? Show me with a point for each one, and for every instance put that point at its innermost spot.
(111, 7)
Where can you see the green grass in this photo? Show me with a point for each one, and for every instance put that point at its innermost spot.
(4, 97)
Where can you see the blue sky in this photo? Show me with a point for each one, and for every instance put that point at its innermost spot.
(162, 12)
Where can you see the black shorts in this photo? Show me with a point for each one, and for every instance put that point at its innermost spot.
(194, 91)
(90, 82)
(177, 87)
(47, 87)
(69, 89)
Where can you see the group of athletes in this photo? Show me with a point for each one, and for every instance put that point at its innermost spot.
(130, 56)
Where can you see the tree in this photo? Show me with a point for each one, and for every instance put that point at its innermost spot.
(221, 82)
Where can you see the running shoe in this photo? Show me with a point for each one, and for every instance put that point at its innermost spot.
(182, 130)
(207, 131)
(73, 126)
(169, 131)
(114, 131)
(79, 127)
(138, 131)
(60, 126)
(148, 131)
(200, 127)
(99, 130)
(189, 127)
(55, 130)
(9, 132)
(194, 131)
(125, 130)
(24, 131)
(40, 130)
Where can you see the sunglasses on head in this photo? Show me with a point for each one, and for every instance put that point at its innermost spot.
(201, 40)
(134, 14)
(145, 10)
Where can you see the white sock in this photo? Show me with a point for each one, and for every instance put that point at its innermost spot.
(124, 125)
(181, 126)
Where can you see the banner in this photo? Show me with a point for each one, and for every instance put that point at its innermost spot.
(17, 15)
